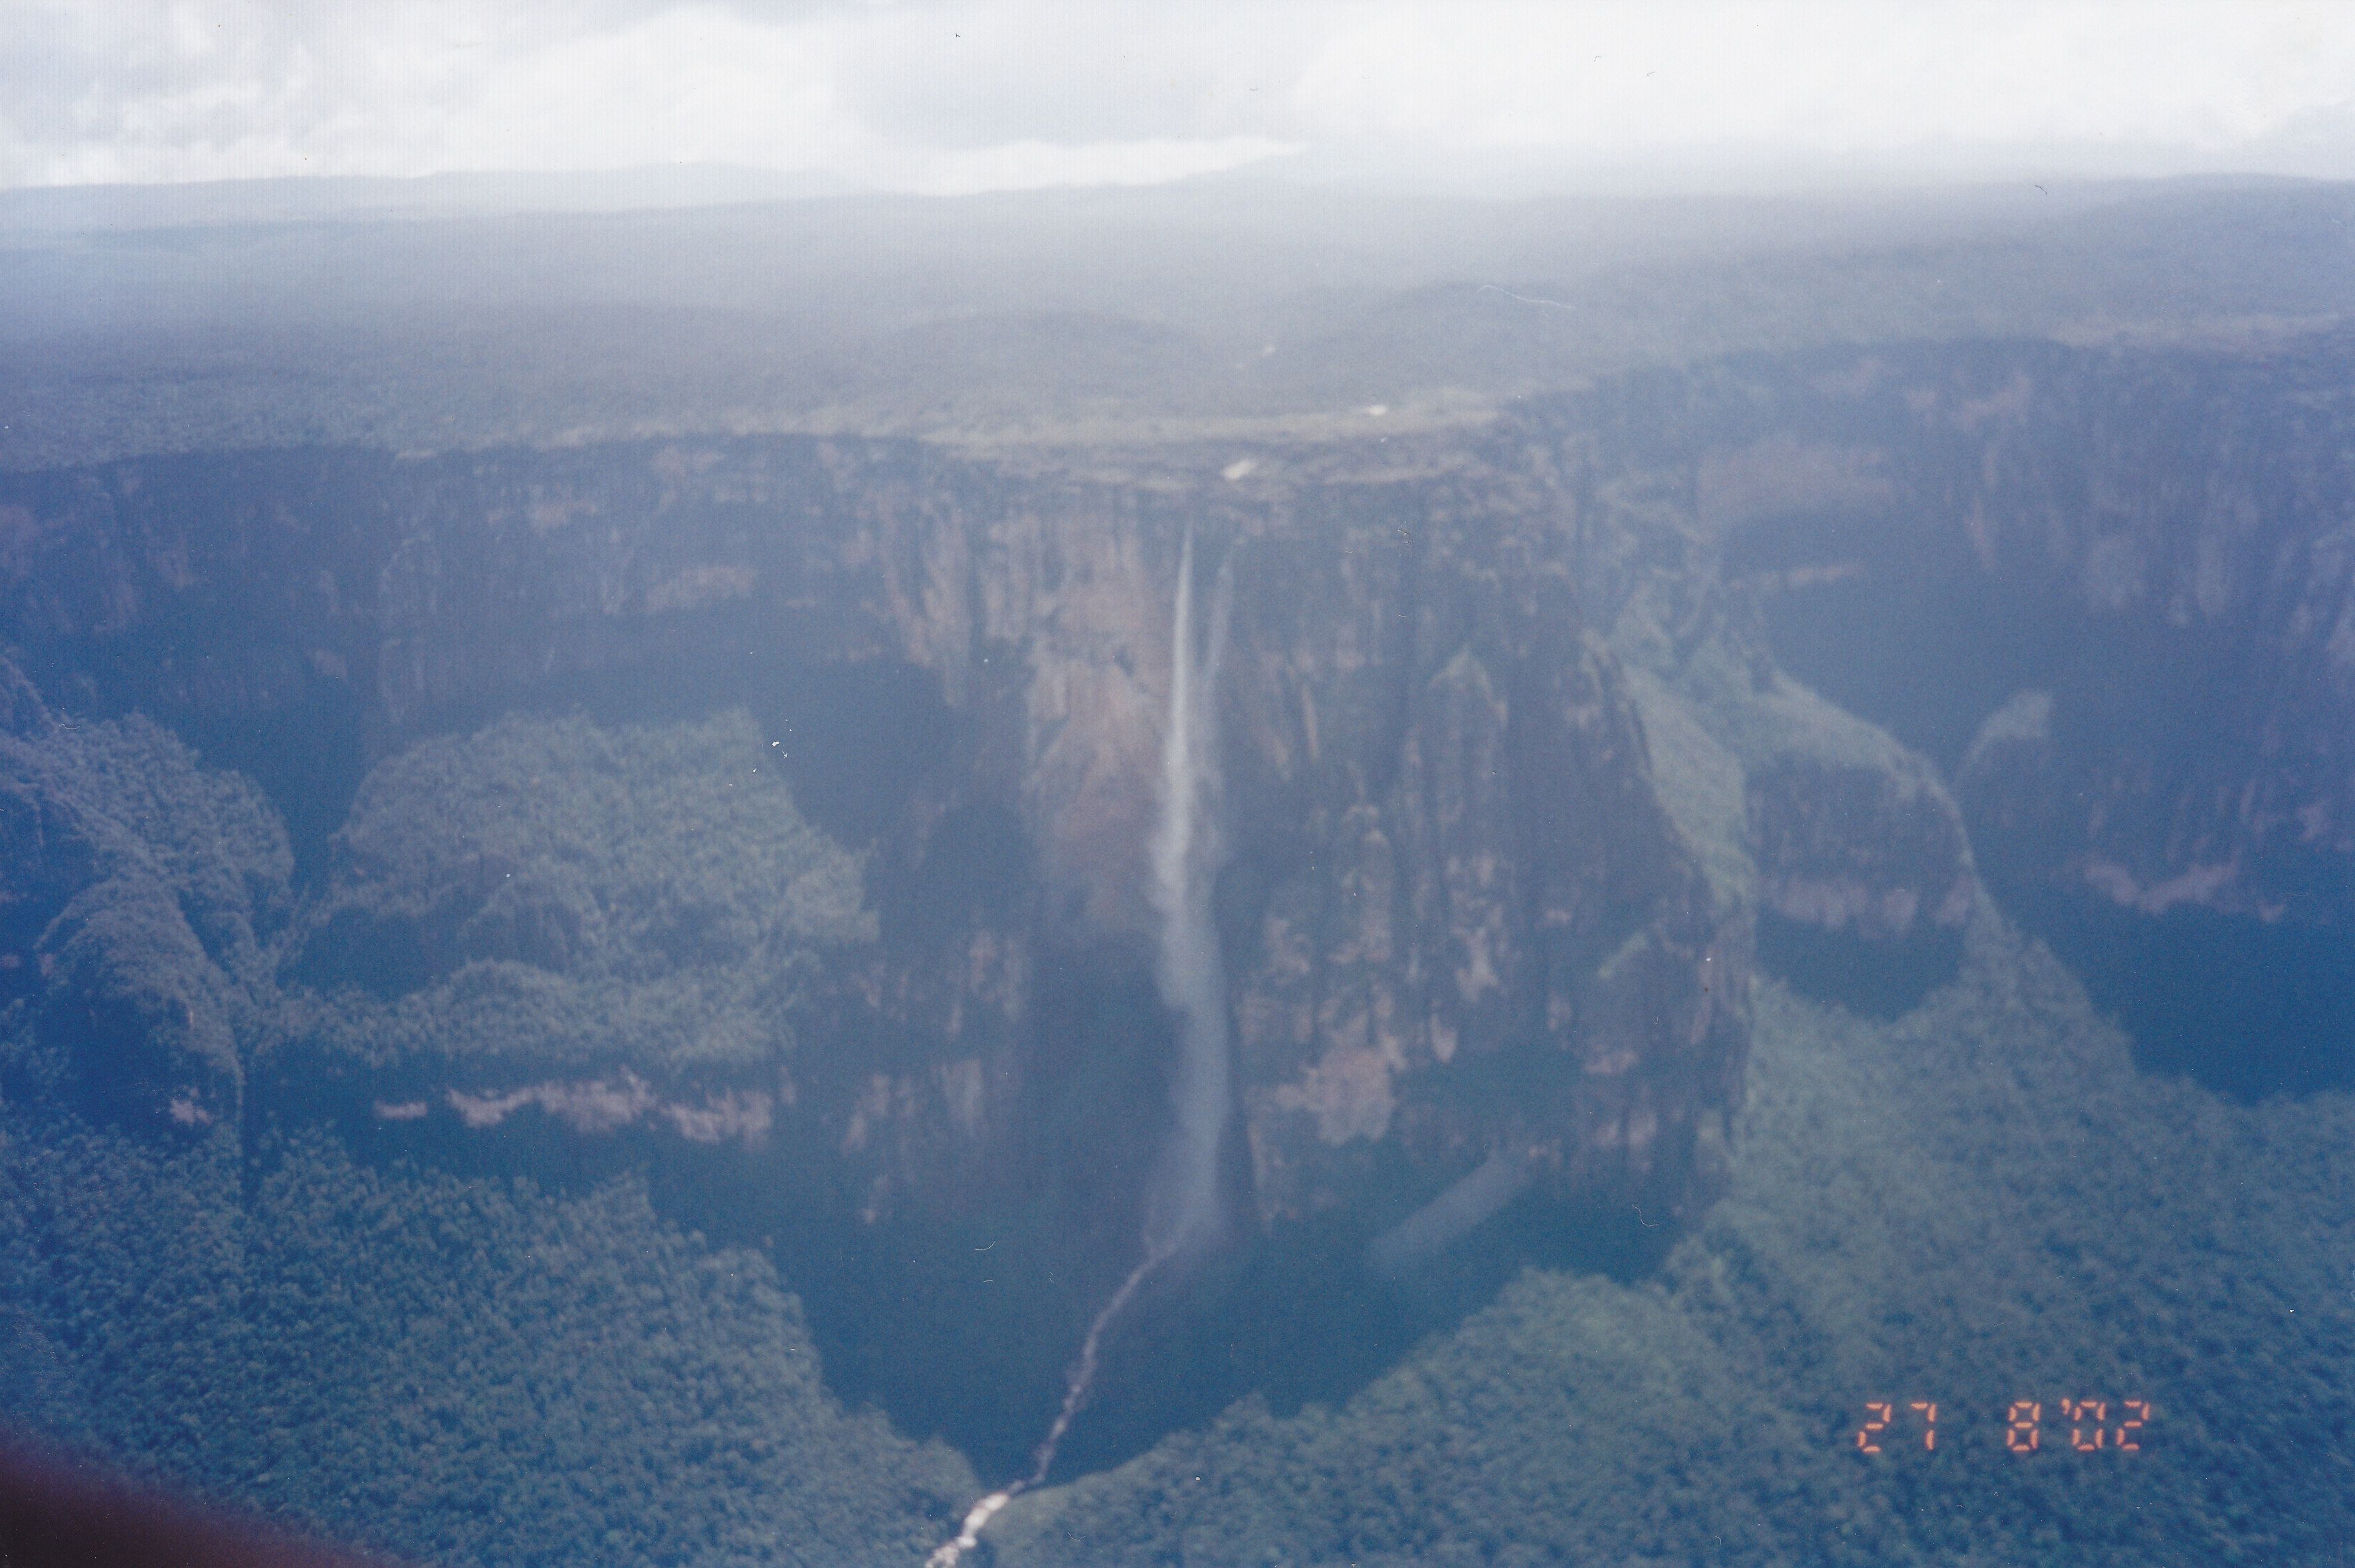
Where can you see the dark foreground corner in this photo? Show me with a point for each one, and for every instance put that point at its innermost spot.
(59, 1513)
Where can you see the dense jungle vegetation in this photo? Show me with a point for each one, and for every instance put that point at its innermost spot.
(1981, 1201)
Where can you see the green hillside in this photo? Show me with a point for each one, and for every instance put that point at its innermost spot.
(458, 1368)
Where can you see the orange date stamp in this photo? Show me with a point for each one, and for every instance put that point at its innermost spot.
(2089, 1425)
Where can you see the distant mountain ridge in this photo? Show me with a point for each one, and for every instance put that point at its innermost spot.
(472, 320)
(31, 210)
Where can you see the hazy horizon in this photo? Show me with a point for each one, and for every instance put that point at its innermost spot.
(924, 97)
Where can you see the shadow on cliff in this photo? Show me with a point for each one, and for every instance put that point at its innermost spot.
(2247, 1009)
(956, 1330)
(856, 737)
(953, 1301)
(1885, 979)
(1904, 625)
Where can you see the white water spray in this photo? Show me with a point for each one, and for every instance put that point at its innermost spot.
(1182, 1212)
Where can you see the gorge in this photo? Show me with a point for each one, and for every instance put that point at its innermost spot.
(865, 846)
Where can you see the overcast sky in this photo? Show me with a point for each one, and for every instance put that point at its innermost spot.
(937, 96)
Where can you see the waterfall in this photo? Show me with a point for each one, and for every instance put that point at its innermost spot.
(1182, 1212)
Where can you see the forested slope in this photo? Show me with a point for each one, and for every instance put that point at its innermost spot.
(459, 1366)
(1977, 1203)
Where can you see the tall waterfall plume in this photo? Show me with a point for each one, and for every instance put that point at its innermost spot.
(1182, 1210)
(1182, 1207)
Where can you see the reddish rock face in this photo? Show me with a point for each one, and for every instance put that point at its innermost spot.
(1455, 915)
(1456, 919)
(1472, 928)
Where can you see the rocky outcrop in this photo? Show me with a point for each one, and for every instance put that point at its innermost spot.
(2107, 595)
(1877, 852)
(1865, 881)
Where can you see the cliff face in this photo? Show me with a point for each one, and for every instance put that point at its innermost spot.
(1468, 921)
(780, 808)
(1456, 916)
(2108, 596)
(1876, 852)
(2143, 551)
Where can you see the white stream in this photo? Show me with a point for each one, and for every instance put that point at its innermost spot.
(1183, 1214)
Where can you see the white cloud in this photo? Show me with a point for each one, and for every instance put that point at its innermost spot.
(698, 84)
(1819, 77)
(996, 94)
